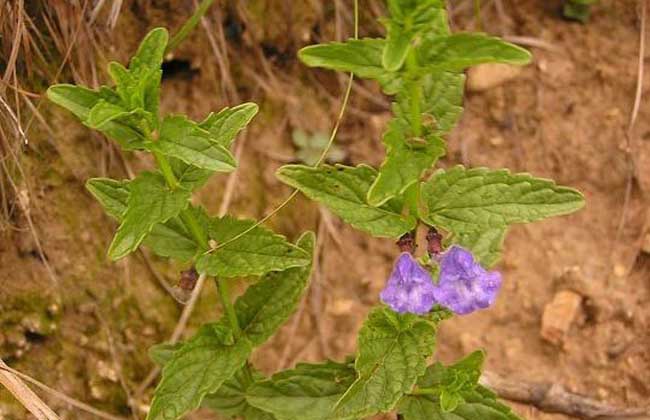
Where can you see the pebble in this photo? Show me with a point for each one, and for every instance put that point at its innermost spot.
(487, 76)
(559, 315)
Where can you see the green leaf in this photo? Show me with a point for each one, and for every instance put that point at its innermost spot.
(139, 86)
(111, 194)
(200, 367)
(461, 50)
(163, 352)
(150, 202)
(362, 57)
(398, 41)
(172, 239)
(230, 398)
(227, 123)
(104, 112)
(307, 392)
(476, 406)
(151, 50)
(404, 163)
(185, 140)
(343, 190)
(460, 199)
(80, 101)
(267, 304)
(455, 394)
(441, 101)
(392, 354)
(255, 253)
(485, 244)
(189, 177)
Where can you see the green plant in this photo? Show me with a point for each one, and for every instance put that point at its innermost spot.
(421, 64)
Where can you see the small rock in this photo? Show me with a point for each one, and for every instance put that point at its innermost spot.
(496, 141)
(620, 270)
(645, 245)
(341, 307)
(487, 76)
(558, 316)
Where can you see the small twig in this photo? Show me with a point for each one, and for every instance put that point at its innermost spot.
(631, 164)
(554, 398)
(68, 400)
(189, 25)
(25, 396)
(316, 290)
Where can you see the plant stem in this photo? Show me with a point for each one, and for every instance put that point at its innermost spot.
(425, 391)
(224, 296)
(415, 86)
(197, 231)
(166, 170)
(189, 25)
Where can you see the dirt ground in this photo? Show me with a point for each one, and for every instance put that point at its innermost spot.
(83, 325)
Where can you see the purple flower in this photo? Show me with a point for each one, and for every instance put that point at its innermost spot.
(410, 287)
(464, 285)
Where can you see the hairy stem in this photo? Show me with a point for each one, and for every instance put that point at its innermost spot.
(188, 218)
(189, 25)
(166, 170)
(415, 89)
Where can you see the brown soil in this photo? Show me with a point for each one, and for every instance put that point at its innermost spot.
(564, 117)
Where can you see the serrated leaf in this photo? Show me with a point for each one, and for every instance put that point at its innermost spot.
(111, 194)
(150, 202)
(80, 101)
(227, 123)
(139, 85)
(183, 139)
(266, 305)
(455, 394)
(441, 101)
(230, 398)
(485, 244)
(404, 163)
(343, 190)
(307, 392)
(170, 239)
(255, 253)
(393, 349)
(460, 199)
(476, 406)
(362, 57)
(200, 367)
(461, 50)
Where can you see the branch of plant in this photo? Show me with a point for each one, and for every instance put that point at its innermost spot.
(554, 398)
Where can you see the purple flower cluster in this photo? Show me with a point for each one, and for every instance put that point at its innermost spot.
(464, 286)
